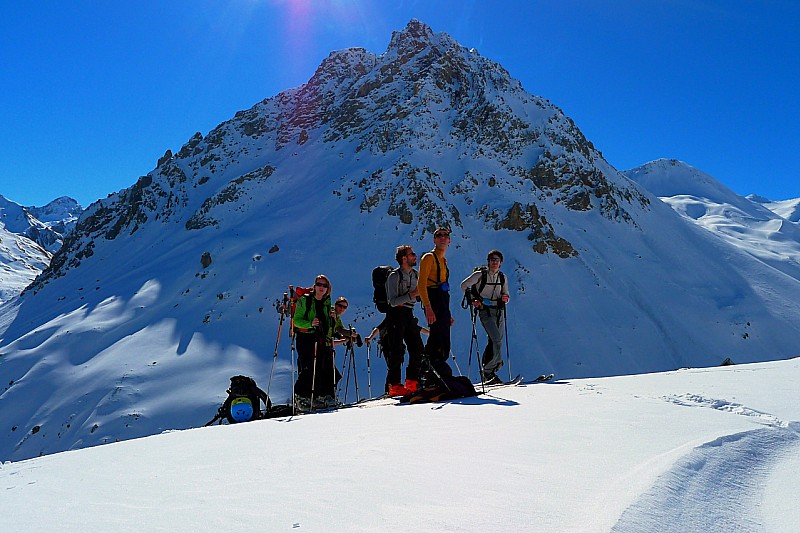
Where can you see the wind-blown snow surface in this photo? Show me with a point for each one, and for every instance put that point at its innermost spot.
(707, 450)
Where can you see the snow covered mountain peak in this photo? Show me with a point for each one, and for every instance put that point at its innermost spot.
(670, 177)
(418, 132)
(28, 238)
(45, 225)
(414, 36)
(63, 211)
(765, 229)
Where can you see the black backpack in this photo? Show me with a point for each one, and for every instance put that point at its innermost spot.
(379, 276)
(445, 388)
(242, 403)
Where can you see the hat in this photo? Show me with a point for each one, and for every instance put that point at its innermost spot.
(442, 230)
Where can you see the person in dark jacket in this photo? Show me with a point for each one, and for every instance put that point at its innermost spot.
(401, 326)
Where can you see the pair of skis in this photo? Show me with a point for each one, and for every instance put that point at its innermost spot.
(517, 380)
(388, 400)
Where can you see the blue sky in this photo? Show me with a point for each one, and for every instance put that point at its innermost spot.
(94, 92)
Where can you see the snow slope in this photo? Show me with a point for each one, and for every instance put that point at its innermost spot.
(766, 230)
(788, 209)
(21, 260)
(706, 450)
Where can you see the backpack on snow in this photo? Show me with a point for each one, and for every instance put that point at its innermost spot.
(439, 384)
(242, 403)
(444, 388)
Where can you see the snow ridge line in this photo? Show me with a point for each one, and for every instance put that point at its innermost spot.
(696, 400)
(735, 465)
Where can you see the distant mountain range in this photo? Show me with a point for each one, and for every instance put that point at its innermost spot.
(28, 238)
(767, 230)
(166, 289)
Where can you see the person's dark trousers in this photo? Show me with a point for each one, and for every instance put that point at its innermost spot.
(324, 384)
(402, 328)
(438, 347)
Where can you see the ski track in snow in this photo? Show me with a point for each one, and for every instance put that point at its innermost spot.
(739, 467)
(696, 400)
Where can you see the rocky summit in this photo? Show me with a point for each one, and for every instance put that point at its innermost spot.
(419, 130)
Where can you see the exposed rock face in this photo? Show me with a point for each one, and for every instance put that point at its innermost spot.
(420, 131)
(520, 218)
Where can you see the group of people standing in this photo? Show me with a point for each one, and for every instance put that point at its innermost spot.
(318, 325)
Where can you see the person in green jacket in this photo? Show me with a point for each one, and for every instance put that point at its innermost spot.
(315, 323)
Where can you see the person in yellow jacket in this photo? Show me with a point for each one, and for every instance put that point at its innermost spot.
(434, 291)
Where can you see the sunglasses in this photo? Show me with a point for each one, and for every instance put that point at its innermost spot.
(343, 306)
(440, 235)
(494, 259)
(318, 284)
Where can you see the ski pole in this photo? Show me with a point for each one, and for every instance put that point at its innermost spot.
(478, 358)
(329, 338)
(282, 309)
(291, 350)
(438, 375)
(456, 363)
(333, 370)
(344, 365)
(346, 377)
(474, 342)
(314, 373)
(369, 372)
(291, 346)
(471, 340)
(508, 353)
(353, 359)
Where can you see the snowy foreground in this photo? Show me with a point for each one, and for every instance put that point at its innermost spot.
(693, 450)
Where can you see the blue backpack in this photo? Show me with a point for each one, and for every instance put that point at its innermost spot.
(242, 403)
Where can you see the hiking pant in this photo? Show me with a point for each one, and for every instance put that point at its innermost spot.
(438, 347)
(492, 320)
(324, 382)
(401, 327)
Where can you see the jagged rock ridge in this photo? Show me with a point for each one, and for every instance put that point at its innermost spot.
(425, 101)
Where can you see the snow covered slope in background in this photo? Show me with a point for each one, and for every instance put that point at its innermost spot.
(707, 450)
(46, 225)
(128, 333)
(21, 260)
(767, 230)
(28, 238)
(788, 209)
